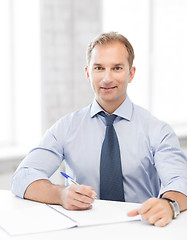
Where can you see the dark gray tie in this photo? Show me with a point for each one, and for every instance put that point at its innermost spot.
(111, 179)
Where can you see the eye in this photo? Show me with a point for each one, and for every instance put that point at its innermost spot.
(118, 68)
(98, 68)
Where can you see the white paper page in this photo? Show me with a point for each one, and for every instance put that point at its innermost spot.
(103, 212)
(40, 218)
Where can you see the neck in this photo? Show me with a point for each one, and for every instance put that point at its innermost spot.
(109, 107)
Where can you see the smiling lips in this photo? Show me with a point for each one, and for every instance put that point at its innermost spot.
(108, 88)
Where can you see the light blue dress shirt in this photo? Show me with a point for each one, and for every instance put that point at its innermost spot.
(152, 161)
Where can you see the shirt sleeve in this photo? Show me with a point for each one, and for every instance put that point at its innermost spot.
(40, 163)
(170, 162)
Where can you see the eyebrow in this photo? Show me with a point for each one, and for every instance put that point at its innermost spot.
(117, 64)
(97, 64)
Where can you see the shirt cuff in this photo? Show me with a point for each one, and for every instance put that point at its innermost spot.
(29, 175)
(179, 185)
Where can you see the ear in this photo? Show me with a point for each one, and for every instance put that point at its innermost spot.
(87, 73)
(131, 74)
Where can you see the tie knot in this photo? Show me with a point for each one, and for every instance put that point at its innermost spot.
(109, 118)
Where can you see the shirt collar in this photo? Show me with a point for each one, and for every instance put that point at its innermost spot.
(124, 111)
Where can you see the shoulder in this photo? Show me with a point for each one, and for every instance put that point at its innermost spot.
(145, 116)
(77, 115)
(153, 125)
(159, 133)
(73, 118)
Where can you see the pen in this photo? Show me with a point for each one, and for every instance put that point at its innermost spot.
(68, 177)
(71, 179)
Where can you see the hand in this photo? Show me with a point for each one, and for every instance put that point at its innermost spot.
(77, 197)
(156, 211)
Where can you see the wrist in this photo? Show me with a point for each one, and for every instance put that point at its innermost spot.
(174, 206)
(58, 195)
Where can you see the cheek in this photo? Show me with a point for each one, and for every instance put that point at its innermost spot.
(126, 79)
(95, 79)
(124, 84)
(92, 83)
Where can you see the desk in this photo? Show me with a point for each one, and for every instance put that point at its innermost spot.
(177, 229)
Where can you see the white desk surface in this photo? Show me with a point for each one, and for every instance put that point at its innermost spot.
(177, 229)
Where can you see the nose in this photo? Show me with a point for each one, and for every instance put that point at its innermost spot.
(107, 78)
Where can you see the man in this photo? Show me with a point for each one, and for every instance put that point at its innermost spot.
(149, 149)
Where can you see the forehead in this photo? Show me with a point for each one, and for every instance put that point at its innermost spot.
(113, 52)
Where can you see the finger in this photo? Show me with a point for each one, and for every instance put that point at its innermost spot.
(77, 197)
(152, 214)
(71, 203)
(162, 222)
(86, 191)
(75, 208)
(133, 213)
(77, 205)
(158, 214)
(82, 198)
(152, 219)
(147, 206)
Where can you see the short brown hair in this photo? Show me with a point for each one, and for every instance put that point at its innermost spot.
(106, 38)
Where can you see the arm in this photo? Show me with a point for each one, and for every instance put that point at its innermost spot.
(167, 155)
(158, 211)
(74, 197)
(31, 179)
(179, 197)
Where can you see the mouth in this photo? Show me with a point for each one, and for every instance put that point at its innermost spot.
(108, 88)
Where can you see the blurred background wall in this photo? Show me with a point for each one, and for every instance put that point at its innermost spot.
(42, 78)
(66, 29)
(61, 32)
